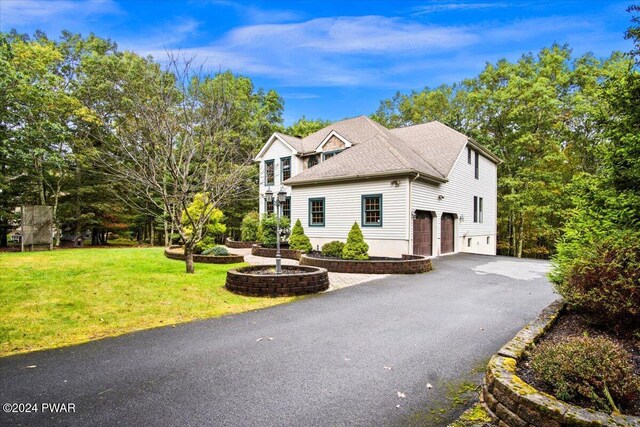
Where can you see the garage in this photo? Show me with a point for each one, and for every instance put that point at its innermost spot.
(422, 237)
(446, 233)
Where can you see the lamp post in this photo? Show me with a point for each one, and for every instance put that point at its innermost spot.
(280, 199)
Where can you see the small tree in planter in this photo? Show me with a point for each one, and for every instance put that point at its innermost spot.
(250, 226)
(214, 226)
(298, 240)
(356, 247)
(267, 229)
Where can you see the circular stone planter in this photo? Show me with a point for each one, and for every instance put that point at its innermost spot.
(408, 264)
(233, 244)
(515, 403)
(255, 281)
(177, 253)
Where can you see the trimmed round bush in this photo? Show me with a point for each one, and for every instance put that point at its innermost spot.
(249, 228)
(217, 250)
(604, 281)
(356, 247)
(268, 227)
(333, 249)
(298, 240)
(597, 370)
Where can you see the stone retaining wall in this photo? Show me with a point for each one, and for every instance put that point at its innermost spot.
(514, 403)
(177, 253)
(242, 281)
(238, 245)
(258, 250)
(408, 264)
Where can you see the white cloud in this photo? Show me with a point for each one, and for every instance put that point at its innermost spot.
(36, 12)
(352, 34)
(450, 7)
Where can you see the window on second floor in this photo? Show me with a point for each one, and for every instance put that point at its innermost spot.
(477, 171)
(269, 172)
(372, 210)
(329, 154)
(313, 160)
(285, 168)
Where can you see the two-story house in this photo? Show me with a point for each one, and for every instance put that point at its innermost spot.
(425, 189)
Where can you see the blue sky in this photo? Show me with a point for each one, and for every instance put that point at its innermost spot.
(335, 59)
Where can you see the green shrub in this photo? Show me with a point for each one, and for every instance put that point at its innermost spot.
(356, 247)
(603, 281)
(250, 226)
(298, 240)
(595, 369)
(208, 242)
(267, 230)
(333, 249)
(217, 250)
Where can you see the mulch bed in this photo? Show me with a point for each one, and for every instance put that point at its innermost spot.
(315, 254)
(575, 325)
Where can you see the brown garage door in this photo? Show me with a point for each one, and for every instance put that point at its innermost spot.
(422, 233)
(446, 233)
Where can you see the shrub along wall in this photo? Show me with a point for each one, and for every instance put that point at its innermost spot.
(177, 253)
(408, 264)
(515, 403)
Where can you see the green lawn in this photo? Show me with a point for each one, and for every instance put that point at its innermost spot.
(53, 299)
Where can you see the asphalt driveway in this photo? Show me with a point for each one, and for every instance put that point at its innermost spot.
(357, 356)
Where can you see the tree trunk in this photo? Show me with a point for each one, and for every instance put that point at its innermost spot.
(152, 232)
(166, 234)
(520, 236)
(3, 236)
(188, 259)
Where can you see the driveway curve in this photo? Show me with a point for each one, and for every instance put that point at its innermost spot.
(362, 355)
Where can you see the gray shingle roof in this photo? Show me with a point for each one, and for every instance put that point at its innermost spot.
(429, 149)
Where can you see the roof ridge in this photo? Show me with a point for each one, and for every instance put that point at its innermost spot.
(286, 134)
(406, 146)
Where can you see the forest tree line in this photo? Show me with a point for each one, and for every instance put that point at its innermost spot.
(558, 122)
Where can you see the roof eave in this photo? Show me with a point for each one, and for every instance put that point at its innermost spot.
(423, 175)
(475, 144)
(268, 144)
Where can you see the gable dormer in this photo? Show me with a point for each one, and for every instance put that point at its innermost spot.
(332, 143)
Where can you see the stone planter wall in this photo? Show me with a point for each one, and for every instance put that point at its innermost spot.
(514, 403)
(177, 253)
(408, 264)
(244, 281)
(238, 245)
(258, 250)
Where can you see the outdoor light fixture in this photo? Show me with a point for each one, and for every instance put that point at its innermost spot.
(395, 183)
(281, 197)
(440, 197)
(461, 218)
(268, 195)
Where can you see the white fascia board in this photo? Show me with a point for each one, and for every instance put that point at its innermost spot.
(270, 141)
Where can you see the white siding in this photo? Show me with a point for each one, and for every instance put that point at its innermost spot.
(276, 151)
(343, 207)
(458, 199)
